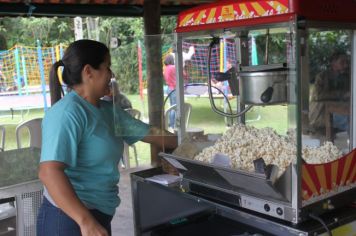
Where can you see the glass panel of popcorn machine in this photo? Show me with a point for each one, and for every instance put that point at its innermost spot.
(268, 133)
(326, 115)
(271, 124)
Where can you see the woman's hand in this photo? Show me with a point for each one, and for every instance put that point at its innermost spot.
(161, 138)
(92, 228)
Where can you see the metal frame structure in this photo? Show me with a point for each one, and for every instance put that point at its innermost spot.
(294, 210)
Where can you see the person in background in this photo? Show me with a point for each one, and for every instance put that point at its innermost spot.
(169, 75)
(80, 150)
(333, 84)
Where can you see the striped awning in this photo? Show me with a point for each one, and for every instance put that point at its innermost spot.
(232, 13)
(227, 13)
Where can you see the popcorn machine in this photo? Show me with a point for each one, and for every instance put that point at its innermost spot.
(293, 57)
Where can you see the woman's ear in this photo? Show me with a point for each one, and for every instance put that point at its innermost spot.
(87, 72)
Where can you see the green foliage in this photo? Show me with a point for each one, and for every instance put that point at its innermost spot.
(53, 31)
(27, 31)
(276, 48)
(125, 66)
(124, 58)
(322, 44)
(3, 43)
(168, 25)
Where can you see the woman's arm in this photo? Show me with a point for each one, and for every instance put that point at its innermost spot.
(161, 138)
(52, 175)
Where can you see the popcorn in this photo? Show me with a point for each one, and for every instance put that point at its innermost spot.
(244, 144)
(326, 153)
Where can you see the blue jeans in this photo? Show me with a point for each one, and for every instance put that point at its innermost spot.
(53, 221)
(172, 101)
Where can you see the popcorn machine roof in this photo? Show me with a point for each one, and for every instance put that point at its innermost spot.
(227, 13)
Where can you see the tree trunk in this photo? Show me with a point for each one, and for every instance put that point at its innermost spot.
(3, 44)
(152, 24)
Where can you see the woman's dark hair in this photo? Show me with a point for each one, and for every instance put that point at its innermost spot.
(77, 55)
(169, 60)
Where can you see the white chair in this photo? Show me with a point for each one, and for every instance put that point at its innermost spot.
(134, 113)
(34, 129)
(126, 155)
(2, 130)
(192, 132)
(187, 111)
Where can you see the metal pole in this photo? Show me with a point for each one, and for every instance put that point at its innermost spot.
(43, 81)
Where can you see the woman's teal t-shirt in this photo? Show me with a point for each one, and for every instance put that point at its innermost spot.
(83, 137)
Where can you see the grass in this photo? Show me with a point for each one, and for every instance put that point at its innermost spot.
(202, 116)
(10, 122)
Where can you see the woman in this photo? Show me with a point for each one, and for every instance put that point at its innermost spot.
(80, 152)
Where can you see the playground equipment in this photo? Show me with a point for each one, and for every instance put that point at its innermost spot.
(25, 69)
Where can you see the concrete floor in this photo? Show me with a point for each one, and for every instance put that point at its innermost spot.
(122, 223)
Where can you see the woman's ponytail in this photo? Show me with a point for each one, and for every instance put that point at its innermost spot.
(55, 86)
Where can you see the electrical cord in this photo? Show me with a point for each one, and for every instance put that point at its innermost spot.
(198, 84)
(314, 217)
(188, 85)
(215, 41)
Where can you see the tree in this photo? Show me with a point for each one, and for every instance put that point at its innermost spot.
(323, 44)
(27, 31)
